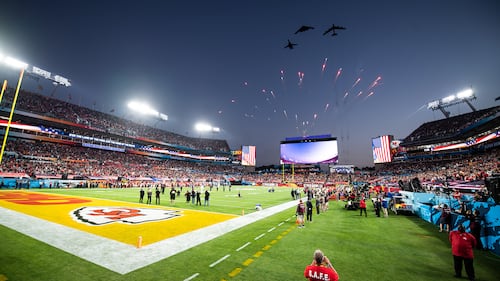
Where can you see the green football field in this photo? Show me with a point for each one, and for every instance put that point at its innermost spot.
(394, 248)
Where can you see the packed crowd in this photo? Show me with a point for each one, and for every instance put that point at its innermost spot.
(468, 168)
(45, 160)
(448, 127)
(106, 123)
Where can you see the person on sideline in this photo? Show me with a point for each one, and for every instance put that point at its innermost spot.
(475, 226)
(157, 195)
(362, 207)
(207, 197)
(300, 213)
(378, 206)
(141, 195)
(150, 195)
(462, 245)
(172, 195)
(445, 218)
(309, 210)
(385, 208)
(320, 269)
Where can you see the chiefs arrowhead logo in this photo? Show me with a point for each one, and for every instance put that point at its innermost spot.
(105, 215)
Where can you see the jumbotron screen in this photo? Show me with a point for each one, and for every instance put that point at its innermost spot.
(309, 151)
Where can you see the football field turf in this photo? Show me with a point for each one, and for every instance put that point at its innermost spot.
(271, 248)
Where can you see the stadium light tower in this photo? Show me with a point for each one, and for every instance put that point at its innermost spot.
(29, 69)
(462, 97)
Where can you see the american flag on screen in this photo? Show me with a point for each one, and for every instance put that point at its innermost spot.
(248, 155)
(381, 149)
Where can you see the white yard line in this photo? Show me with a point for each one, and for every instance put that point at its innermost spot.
(110, 253)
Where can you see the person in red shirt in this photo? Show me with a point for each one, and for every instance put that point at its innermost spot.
(362, 206)
(320, 269)
(462, 245)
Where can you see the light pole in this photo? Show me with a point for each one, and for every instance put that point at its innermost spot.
(24, 67)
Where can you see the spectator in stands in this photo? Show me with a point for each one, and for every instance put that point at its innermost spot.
(457, 195)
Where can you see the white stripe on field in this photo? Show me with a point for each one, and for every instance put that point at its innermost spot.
(242, 247)
(260, 236)
(220, 260)
(192, 277)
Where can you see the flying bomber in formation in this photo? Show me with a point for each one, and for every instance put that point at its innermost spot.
(332, 29)
(305, 28)
(290, 45)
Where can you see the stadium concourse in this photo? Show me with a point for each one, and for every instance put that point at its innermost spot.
(54, 143)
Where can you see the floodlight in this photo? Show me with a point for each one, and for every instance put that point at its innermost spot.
(202, 127)
(448, 99)
(433, 104)
(61, 80)
(465, 94)
(144, 108)
(138, 106)
(462, 97)
(12, 62)
(163, 117)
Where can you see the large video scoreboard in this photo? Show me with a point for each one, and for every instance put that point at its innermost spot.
(309, 150)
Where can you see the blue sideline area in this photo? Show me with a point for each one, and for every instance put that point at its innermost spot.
(425, 206)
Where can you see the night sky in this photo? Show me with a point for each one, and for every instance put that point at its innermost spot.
(225, 63)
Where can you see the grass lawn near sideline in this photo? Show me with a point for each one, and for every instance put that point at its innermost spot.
(395, 248)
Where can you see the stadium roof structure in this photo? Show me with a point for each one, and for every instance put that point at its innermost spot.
(454, 128)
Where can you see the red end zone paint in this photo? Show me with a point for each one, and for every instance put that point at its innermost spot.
(120, 221)
(26, 198)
